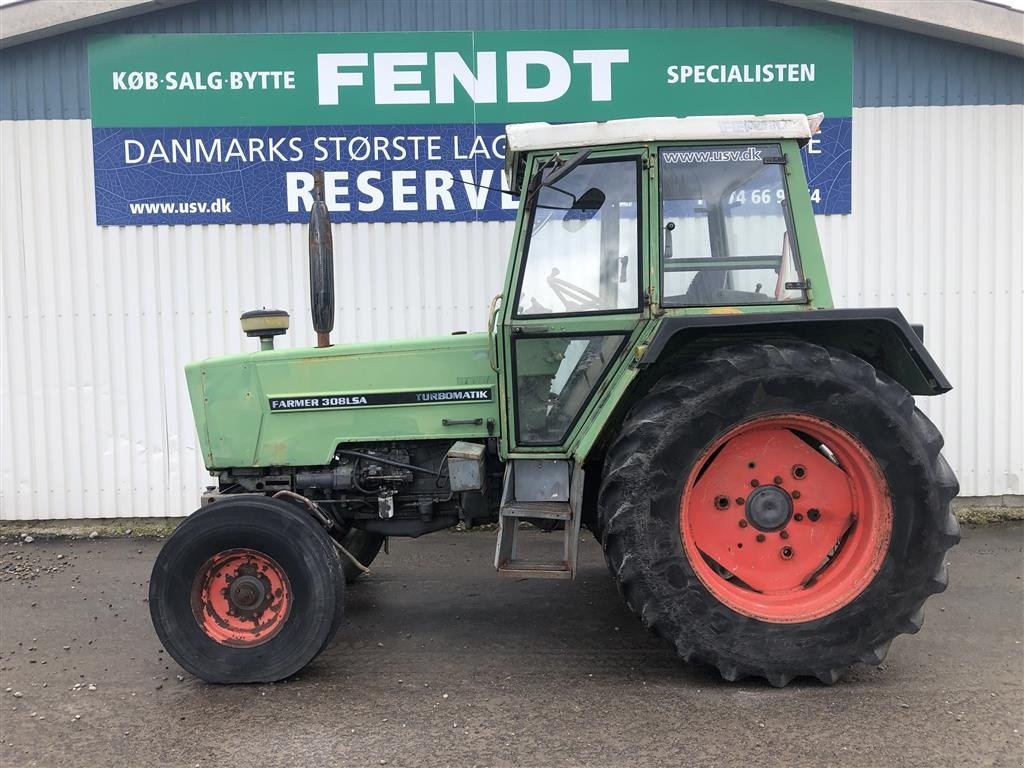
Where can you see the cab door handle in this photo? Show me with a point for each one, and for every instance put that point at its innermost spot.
(520, 329)
(461, 422)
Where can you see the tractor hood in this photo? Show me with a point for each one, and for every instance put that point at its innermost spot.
(292, 407)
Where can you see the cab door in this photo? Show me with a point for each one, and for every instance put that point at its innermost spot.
(576, 296)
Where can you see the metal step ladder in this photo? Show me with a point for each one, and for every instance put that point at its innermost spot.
(513, 511)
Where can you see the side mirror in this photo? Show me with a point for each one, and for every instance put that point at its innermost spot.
(590, 201)
(321, 264)
(583, 209)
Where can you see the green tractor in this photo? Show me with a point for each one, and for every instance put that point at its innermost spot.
(663, 367)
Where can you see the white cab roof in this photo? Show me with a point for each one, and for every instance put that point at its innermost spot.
(526, 137)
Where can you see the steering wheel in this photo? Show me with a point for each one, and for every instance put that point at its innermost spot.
(575, 298)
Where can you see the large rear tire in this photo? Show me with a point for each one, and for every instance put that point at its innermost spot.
(778, 510)
(246, 590)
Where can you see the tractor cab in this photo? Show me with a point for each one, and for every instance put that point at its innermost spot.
(639, 245)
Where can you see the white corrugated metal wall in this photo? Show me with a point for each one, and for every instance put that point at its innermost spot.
(98, 322)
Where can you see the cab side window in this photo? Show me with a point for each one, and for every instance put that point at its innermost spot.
(726, 227)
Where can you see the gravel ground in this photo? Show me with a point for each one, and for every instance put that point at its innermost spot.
(441, 662)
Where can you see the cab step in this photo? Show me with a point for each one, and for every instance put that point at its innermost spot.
(513, 511)
(549, 510)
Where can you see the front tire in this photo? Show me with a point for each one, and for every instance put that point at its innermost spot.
(363, 546)
(246, 590)
(778, 511)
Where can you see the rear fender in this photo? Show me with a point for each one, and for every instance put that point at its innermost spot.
(882, 337)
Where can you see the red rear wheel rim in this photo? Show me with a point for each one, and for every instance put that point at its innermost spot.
(786, 518)
(241, 597)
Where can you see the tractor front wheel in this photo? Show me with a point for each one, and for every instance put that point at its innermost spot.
(246, 590)
(363, 546)
(778, 510)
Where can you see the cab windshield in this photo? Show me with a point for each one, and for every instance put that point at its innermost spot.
(726, 227)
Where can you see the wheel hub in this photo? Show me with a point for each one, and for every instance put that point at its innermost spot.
(769, 508)
(241, 597)
(785, 518)
(248, 592)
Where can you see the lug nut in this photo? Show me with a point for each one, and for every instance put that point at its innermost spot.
(799, 471)
(760, 537)
(786, 552)
(798, 517)
(754, 483)
(777, 479)
(795, 494)
(813, 515)
(722, 502)
(783, 534)
(743, 523)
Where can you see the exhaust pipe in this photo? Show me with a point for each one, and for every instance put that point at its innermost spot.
(321, 264)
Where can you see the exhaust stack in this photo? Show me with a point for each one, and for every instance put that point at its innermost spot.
(321, 264)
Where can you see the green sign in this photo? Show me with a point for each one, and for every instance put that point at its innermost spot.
(228, 129)
(466, 77)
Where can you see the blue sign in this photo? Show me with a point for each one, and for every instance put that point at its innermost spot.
(828, 163)
(378, 173)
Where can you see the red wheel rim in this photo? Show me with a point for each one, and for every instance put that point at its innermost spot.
(786, 518)
(241, 597)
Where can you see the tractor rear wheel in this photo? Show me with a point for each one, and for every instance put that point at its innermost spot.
(246, 590)
(778, 510)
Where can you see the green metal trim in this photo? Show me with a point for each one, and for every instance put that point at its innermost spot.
(806, 243)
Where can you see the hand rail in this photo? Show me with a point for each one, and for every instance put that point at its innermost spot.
(492, 314)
